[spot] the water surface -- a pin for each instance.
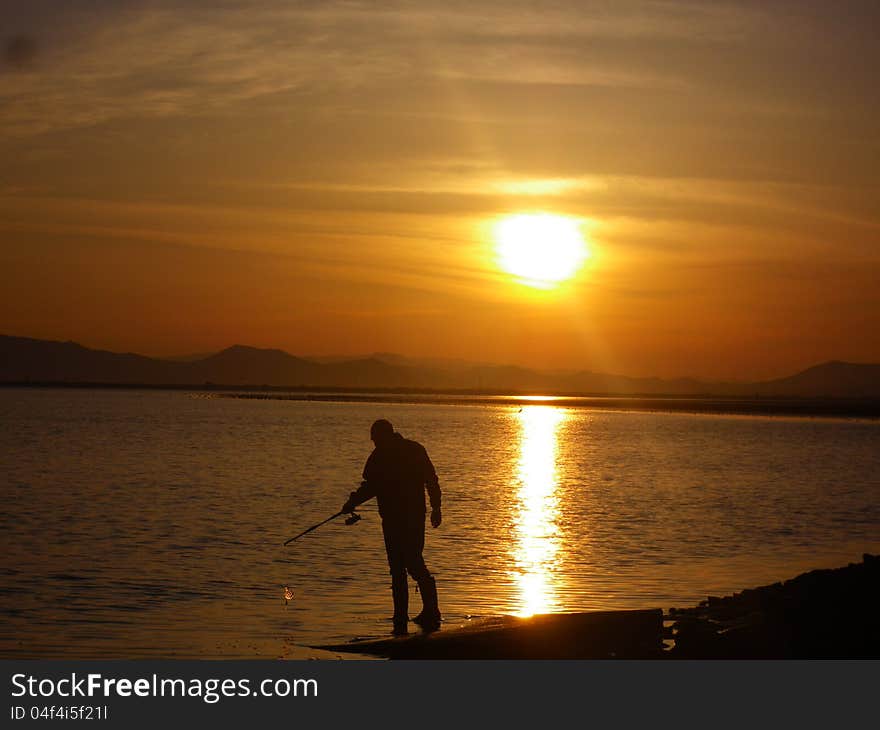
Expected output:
(149, 523)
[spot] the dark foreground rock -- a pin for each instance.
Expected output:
(823, 614)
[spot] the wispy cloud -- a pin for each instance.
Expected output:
(154, 59)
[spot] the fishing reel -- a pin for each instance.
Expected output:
(353, 518)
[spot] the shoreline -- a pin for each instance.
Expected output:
(821, 614)
(798, 407)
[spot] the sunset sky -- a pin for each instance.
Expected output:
(329, 178)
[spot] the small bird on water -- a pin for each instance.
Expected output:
(288, 594)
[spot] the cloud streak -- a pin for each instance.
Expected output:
(156, 59)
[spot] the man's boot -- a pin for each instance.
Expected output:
(400, 594)
(429, 618)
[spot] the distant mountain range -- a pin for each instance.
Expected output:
(26, 360)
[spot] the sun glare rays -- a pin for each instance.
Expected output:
(537, 539)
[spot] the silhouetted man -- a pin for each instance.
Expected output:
(397, 473)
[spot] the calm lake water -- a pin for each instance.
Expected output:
(150, 523)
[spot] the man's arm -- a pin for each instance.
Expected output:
(367, 489)
(360, 495)
(432, 485)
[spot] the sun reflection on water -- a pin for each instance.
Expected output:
(536, 531)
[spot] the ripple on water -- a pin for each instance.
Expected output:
(150, 524)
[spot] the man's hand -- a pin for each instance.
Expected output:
(348, 506)
(436, 517)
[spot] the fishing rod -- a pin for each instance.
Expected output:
(349, 521)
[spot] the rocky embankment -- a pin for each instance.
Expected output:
(823, 614)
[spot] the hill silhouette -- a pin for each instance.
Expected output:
(242, 365)
(833, 379)
(27, 360)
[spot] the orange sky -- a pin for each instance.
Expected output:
(322, 177)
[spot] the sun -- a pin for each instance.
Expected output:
(540, 249)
